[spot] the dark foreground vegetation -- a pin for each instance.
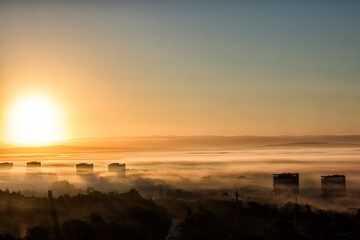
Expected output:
(251, 220)
(89, 216)
(95, 215)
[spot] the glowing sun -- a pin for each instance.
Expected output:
(34, 121)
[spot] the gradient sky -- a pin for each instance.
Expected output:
(184, 68)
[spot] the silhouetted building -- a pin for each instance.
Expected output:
(6, 166)
(84, 168)
(33, 172)
(333, 186)
(286, 183)
(33, 164)
(33, 168)
(118, 168)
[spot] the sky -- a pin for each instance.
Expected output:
(122, 68)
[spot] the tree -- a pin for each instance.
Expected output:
(37, 233)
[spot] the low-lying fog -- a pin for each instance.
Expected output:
(248, 168)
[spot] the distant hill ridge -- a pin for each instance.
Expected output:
(314, 144)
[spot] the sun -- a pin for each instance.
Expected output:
(35, 120)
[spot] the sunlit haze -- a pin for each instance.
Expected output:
(34, 120)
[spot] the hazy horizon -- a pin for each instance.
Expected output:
(238, 140)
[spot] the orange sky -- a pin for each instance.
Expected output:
(189, 70)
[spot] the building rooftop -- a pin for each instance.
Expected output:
(84, 168)
(117, 165)
(286, 183)
(333, 179)
(286, 175)
(333, 176)
(117, 168)
(333, 186)
(33, 164)
(6, 165)
(84, 165)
